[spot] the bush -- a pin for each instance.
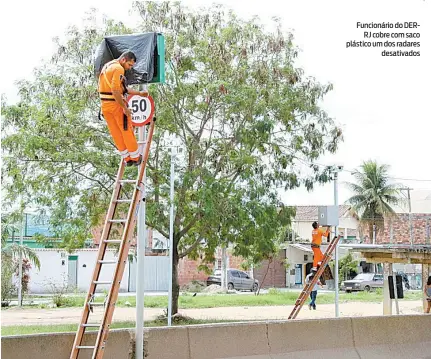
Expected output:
(26, 266)
(195, 286)
(8, 288)
(273, 291)
(58, 291)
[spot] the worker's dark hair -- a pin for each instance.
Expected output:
(128, 55)
(314, 225)
(429, 280)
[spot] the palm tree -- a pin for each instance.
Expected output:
(374, 195)
(8, 252)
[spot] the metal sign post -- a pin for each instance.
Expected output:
(142, 231)
(171, 234)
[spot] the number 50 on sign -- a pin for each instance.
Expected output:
(142, 109)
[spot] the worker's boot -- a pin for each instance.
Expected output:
(138, 162)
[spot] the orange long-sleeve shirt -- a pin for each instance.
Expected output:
(110, 80)
(317, 235)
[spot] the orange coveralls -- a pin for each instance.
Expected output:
(317, 235)
(111, 79)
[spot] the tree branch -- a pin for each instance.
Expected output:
(161, 231)
(190, 225)
(190, 249)
(90, 179)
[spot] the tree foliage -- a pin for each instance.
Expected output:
(12, 251)
(373, 194)
(348, 267)
(247, 118)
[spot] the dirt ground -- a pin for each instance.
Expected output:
(16, 316)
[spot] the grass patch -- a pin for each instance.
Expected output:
(186, 301)
(61, 328)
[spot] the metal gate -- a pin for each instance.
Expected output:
(156, 276)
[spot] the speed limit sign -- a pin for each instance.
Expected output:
(142, 109)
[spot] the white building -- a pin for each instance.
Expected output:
(306, 215)
(60, 269)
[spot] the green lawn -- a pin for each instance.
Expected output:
(275, 297)
(38, 329)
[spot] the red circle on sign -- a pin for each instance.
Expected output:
(150, 116)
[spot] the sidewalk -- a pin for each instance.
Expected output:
(16, 316)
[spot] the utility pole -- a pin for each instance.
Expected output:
(140, 247)
(21, 242)
(408, 189)
(171, 235)
(335, 170)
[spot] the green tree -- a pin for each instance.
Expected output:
(347, 265)
(14, 250)
(246, 116)
(10, 254)
(374, 195)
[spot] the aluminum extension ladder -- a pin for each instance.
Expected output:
(129, 224)
(308, 287)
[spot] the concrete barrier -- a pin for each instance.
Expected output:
(405, 336)
(59, 346)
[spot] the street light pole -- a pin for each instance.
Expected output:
(171, 234)
(140, 246)
(335, 170)
(21, 242)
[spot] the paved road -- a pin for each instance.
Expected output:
(16, 316)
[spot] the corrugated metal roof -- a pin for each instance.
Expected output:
(302, 247)
(310, 213)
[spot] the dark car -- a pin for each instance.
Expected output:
(236, 279)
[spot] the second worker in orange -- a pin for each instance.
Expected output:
(317, 234)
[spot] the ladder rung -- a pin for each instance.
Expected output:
(96, 304)
(118, 220)
(123, 201)
(93, 325)
(102, 282)
(85, 346)
(107, 261)
(127, 181)
(112, 241)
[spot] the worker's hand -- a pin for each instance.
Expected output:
(127, 112)
(143, 93)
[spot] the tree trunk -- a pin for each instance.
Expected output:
(264, 277)
(175, 285)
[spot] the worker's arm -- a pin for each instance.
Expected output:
(325, 233)
(117, 91)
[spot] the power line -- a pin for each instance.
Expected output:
(354, 171)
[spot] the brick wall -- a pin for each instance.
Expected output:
(188, 271)
(188, 268)
(276, 277)
(400, 225)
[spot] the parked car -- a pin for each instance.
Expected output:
(363, 281)
(236, 279)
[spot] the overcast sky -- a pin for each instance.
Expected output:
(382, 103)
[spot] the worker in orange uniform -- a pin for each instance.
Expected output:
(113, 91)
(317, 234)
